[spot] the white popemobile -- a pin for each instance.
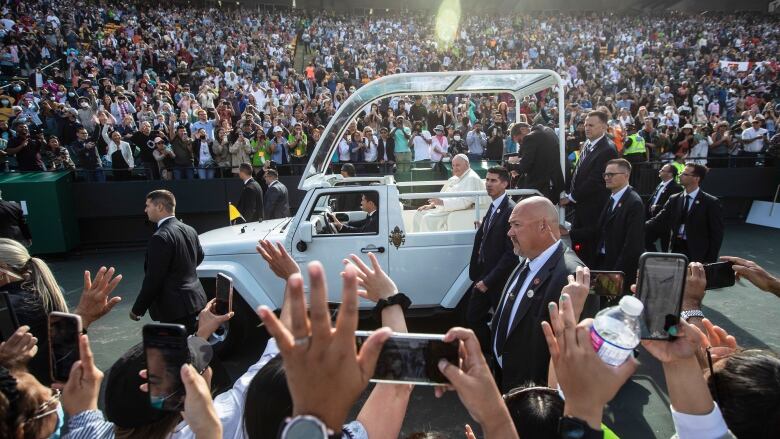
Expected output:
(430, 267)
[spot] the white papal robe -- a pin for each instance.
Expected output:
(435, 220)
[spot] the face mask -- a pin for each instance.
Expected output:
(456, 138)
(60, 423)
(5, 101)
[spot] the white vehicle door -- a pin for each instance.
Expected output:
(360, 235)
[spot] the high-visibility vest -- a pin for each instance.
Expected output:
(680, 168)
(637, 145)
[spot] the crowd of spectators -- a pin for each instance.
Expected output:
(179, 92)
(717, 389)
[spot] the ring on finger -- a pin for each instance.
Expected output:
(302, 341)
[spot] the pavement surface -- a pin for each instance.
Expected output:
(641, 409)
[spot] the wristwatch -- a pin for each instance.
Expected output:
(396, 299)
(687, 314)
(574, 428)
(307, 427)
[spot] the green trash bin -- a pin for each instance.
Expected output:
(47, 199)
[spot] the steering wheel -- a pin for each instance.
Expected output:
(328, 226)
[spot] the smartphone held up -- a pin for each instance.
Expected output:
(166, 350)
(412, 358)
(64, 332)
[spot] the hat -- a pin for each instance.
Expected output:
(759, 117)
(278, 130)
(439, 128)
(687, 125)
(125, 404)
(73, 111)
(158, 139)
(426, 135)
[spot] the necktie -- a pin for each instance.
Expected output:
(585, 151)
(656, 194)
(611, 206)
(686, 206)
(506, 311)
(488, 219)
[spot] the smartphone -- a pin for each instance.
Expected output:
(412, 358)
(224, 295)
(64, 332)
(720, 275)
(660, 287)
(165, 347)
(8, 321)
(606, 283)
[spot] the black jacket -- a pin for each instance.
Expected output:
(499, 258)
(703, 226)
(171, 289)
(12, 222)
(526, 356)
(370, 224)
(670, 189)
(276, 203)
(251, 202)
(540, 163)
(386, 146)
(622, 233)
(589, 192)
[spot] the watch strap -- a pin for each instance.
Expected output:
(688, 313)
(574, 428)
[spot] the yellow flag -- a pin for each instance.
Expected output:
(233, 213)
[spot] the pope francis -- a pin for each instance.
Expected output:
(432, 217)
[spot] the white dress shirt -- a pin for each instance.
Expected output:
(660, 190)
(496, 204)
(692, 200)
(159, 223)
(534, 265)
(711, 425)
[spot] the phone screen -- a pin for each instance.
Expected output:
(412, 358)
(166, 351)
(720, 275)
(660, 288)
(606, 283)
(8, 322)
(224, 295)
(64, 332)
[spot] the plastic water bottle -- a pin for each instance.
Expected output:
(615, 331)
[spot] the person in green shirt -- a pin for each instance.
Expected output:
(296, 142)
(261, 152)
(403, 153)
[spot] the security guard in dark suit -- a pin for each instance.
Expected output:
(251, 202)
(492, 256)
(692, 220)
(171, 290)
(665, 189)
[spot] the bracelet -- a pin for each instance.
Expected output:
(396, 299)
(687, 314)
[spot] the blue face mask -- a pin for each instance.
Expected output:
(60, 423)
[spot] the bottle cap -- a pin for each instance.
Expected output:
(631, 306)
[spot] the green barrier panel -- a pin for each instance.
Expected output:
(48, 199)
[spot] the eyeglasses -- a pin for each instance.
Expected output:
(611, 174)
(687, 175)
(45, 409)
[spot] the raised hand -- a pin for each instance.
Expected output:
(94, 302)
(279, 261)
(375, 282)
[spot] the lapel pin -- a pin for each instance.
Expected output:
(697, 201)
(536, 281)
(530, 294)
(620, 204)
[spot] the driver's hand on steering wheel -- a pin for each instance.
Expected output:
(335, 221)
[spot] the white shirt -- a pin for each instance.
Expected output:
(441, 146)
(159, 223)
(496, 203)
(711, 425)
(661, 189)
(692, 199)
(614, 198)
(756, 145)
(422, 149)
(533, 268)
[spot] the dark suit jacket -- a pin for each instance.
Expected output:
(590, 193)
(276, 204)
(540, 164)
(670, 189)
(703, 226)
(12, 223)
(171, 289)
(251, 202)
(526, 356)
(499, 258)
(623, 234)
(370, 224)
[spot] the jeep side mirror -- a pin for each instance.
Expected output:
(306, 230)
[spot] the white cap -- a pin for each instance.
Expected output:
(631, 306)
